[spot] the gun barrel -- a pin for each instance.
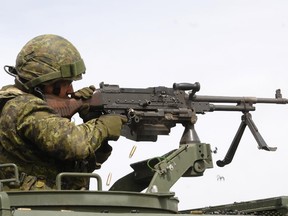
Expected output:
(273, 100)
(240, 108)
(229, 99)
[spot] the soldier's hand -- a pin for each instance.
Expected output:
(114, 124)
(84, 112)
(102, 154)
(84, 93)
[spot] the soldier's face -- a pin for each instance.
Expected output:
(66, 88)
(62, 89)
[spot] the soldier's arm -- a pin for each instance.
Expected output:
(58, 136)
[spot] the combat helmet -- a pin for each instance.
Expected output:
(46, 59)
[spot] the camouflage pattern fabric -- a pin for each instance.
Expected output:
(10, 91)
(49, 57)
(42, 143)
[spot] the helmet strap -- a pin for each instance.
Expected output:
(11, 70)
(19, 84)
(37, 91)
(69, 71)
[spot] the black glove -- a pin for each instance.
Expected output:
(102, 154)
(86, 115)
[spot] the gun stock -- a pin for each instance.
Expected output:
(66, 107)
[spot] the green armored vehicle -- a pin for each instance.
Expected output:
(146, 190)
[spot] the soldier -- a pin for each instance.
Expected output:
(33, 135)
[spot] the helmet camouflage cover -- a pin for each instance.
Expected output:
(46, 59)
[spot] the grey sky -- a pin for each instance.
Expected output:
(232, 47)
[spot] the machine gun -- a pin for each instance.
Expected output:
(154, 111)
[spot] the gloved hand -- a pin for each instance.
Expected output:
(84, 112)
(84, 93)
(102, 154)
(114, 124)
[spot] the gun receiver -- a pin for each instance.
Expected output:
(154, 111)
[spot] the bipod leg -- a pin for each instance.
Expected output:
(254, 130)
(234, 145)
(246, 120)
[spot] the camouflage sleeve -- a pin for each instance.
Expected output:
(38, 123)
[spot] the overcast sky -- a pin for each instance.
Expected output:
(232, 47)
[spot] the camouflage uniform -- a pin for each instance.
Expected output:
(42, 143)
(35, 137)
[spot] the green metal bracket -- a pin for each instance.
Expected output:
(189, 160)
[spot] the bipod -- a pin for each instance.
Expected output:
(246, 119)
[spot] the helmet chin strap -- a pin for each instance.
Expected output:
(19, 84)
(11, 70)
(38, 93)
